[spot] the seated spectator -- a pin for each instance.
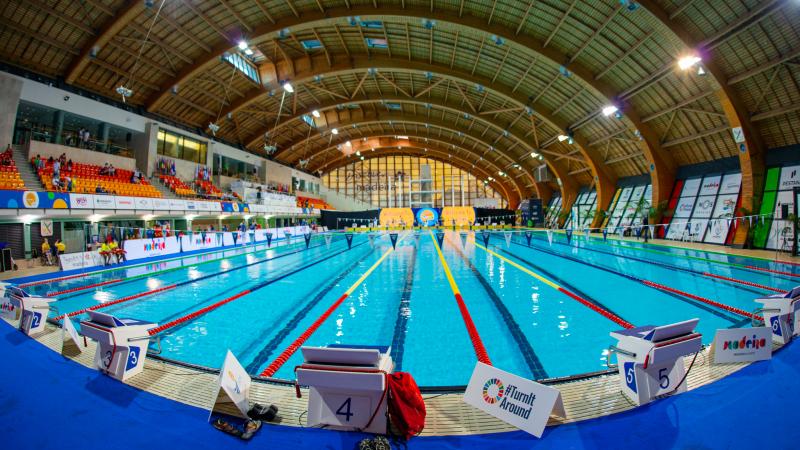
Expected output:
(69, 166)
(50, 160)
(56, 182)
(111, 170)
(69, 184)
(56, 168)
(99, 190)
(105, 252)
(104, 170)
(48, 257)
(116, 251)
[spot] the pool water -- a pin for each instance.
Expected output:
(527, 326)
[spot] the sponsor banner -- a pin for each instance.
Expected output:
(731, 183)
(33, 200)
(191, 205)
(703, 207)
(104, 202)
(427, 217)
(177, 205)
(163, 265)
(790, 178)
(143, 203)
(235, 207)
(198, 241)
(147, 248)
(125, 202)
(161, 204)
(684, 207)
(690, 187)
(517, 401)
(781, 232)
(720, 224)
(81, 201)
(742, 345)
(258, 208)
(80, 260)
(710, 185)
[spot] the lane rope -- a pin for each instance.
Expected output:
(472, 330)
(289, 351)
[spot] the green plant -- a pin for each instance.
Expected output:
(562, 217)
(657, 211)
(751, 230)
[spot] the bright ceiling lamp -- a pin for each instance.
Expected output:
(609, 110)
(335, 131)
(315, 113)
(242, 45)
(562, 137)
(288, 87)
(687, 62)
(402, 137)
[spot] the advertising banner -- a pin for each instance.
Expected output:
(80, 260)
(33, 200)
(146, 248)
(81, 201)
(104, 202)
(125, 202)
(742, 345)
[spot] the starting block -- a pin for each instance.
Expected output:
(650, 359)
(31, 310)
(121, 343)
(780, 313)
(347, 386)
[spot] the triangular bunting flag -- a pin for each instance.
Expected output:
(550, 237)
(507, 235)
(328, 238)
(440, 238)
(269, 239)
(569, 236)
(528, 236)
(485, 236)
(371, 240)
(393, 238)
(307, 237)
(463, 239)
(235, 235)
(416, 237)
(349, 238)
(288, 237)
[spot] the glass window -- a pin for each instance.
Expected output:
(177, 146)
(244, 66)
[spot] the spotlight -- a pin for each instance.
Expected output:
(315, 113)
(288, 87)
(687, 62)
(562, 138)
(609, 110)
(242, 45)
(213, 127)
(335, 131)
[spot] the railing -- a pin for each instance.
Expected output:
(69, 140)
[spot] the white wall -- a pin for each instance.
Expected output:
(77, 155)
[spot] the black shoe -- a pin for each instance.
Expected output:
(264, 413)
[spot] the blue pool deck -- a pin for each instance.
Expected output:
(48, 401)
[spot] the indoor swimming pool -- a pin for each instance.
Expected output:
(540, 309)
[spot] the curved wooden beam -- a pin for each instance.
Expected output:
(410, 119)
(752, 150)
(115, 24)
(427, 151)
(307, 68)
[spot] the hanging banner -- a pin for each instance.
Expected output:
(393, 238)
(528, 236)
(349, 238)
(328, 238)
(269, 239)
(440, 238)
(463, 239)
(485, 236)
(550, 237)
(517, 401)
(569, 236)
(307, 237)
(507, 235)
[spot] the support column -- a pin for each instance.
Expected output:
(145, 148)
(26, 239)
(10, 91)
(103, 130)
(58, 126)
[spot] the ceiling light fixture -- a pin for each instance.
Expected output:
(335, 131)
(315, 113)
(288, 87)
(687, 62)
(609, 110)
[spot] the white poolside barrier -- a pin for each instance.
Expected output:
(780, 313)
(650, 359)
(347, 386)
(121, 343)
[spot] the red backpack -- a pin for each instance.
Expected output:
(406, 407)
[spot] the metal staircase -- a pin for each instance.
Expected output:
(26, 170)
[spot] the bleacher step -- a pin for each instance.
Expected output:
(29, 177)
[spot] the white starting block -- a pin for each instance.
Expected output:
(31, 310)
(347, 386)
(121, 343)
(780, 313)
(650, 358)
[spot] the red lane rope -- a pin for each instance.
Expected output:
(117, 301)
(477, 343)
(747, 283)
(197, 313)
(81, 288)
(779, 272)
(51, 280)
(608, 314)
(732, 309)
(283, 357)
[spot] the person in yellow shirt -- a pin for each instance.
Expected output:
(48, 257)
(115, 250)
(105, 252)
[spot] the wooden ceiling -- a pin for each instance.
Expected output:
(493, 80)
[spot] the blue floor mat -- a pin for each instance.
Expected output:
(47, 402)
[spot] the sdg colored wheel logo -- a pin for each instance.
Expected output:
(493, 391)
